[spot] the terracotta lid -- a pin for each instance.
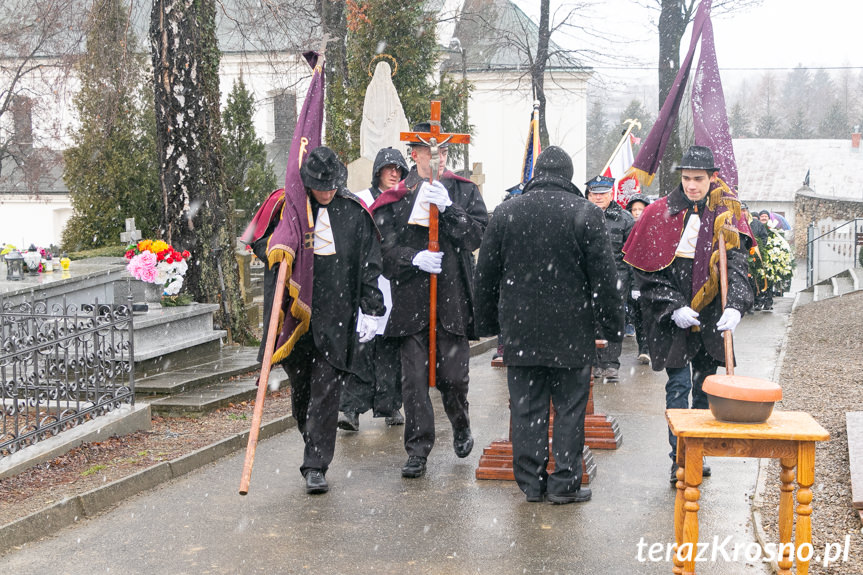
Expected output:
(742, 388)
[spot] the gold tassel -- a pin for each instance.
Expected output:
(298, 309)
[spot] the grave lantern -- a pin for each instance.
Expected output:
(14, 266)
(32, 258)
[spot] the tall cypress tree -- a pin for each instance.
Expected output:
(110, 170)
(249, 177)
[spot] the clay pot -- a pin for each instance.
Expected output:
(739, 399)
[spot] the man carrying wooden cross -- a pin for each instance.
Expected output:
(403, 217)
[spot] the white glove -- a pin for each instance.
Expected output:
(435, 193)
(367, 327)
(729, 320)
(685, 317)
(429, 262)
(635, 294)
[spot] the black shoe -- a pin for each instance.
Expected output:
(462, 442)
(414, 467)
(580, 496)
(349, 421)
(316, 483)
(536, 498)
(395, 419)
(674, 468)
(611, 375)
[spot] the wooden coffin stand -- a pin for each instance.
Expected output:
(600, 432)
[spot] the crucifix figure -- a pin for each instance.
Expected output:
(434, 138)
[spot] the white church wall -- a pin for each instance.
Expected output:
(25, 220)
(500, 109)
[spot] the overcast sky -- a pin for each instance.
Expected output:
(776, 34)
(779, 33)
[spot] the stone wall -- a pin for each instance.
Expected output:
(810, 208)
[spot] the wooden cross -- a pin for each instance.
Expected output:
(434, 138)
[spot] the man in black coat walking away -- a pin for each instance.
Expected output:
(344, 309)
(673, 249)
(619, 223)
(545, 277)
(402, 215)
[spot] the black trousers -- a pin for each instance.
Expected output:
(382, 393)
(315, 388)
(633, 313)
(530, 389)
(451, 378)
(609, 356)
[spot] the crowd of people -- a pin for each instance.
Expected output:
(605, 272)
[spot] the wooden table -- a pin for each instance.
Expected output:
(789, 436)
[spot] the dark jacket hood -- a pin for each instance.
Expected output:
(553, 168)
(385, 157)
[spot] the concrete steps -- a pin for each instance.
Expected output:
(849, 281)
(196, 402)
(168, 338)
(211, 368)
(226, 376)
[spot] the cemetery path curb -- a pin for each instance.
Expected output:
(761, 480)
(71, 510)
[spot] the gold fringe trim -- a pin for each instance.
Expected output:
(280, 253)
(710, 288)
(298, 309)
(644, 178)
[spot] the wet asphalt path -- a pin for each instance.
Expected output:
(374, 521)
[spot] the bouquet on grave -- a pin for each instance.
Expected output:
(155, 261)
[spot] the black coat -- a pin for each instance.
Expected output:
(343, 282)
(759, 230)
(460, 233)
(619, 223)
(670, 288)
(546, 279)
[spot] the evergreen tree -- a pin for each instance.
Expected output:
(249, 177)
(767, 126)
(855, 102)
(798, 126)
(796, 90)
(834, 123)
(404, 31)
(110, 170)
(820, 100)
(738, 121)
(597, 137)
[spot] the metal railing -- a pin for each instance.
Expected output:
(61, 367)
(832, 251)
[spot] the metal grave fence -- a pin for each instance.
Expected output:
(60, 367)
